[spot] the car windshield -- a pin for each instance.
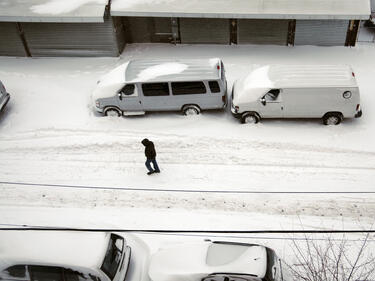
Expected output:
(113, 256)
(272, 273)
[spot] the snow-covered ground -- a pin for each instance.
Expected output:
(49, 134)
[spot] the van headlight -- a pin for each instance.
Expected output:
(97, 103)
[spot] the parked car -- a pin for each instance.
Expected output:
(329, 92)
(217, 261)
(63, 256)
(139, 86)
(4, 96)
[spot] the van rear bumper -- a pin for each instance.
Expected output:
(358, 114)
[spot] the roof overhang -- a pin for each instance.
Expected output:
(245, 9)
(52, 10)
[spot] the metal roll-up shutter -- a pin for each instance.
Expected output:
(204, 31)
(71, 39)
(262, 31)
(372, 6)
(10, 40)
(321, 32)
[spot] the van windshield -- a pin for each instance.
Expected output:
(113, 256)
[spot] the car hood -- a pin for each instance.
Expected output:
(192, 262)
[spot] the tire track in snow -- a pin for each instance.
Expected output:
(89, 146)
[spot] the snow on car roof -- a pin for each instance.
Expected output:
(195, 261)
(173, 70)
(81, 249)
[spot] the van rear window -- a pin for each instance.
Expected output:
(155, 89)
(188, 88)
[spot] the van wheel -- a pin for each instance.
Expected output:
(250, 118)
(112, 112)
(191, 110)
(332, 118)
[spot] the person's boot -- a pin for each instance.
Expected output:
(150, 173)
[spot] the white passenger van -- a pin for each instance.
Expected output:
(329, 92)
(139, 86)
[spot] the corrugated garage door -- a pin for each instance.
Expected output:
(10, 41)
(204, 31)
(262, 31)
(71, 39)
(145, 30)
(321, 32)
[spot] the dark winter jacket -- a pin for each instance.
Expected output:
(149, 149)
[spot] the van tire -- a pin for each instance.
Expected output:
(250, 118)
(111, 111)
(190, 110)
(332, 118)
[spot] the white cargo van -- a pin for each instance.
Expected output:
(329, 92)
(139, 86)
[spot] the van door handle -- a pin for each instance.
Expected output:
(282, 108)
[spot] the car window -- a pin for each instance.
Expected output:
(272, 95)
(73, 275)
(214, 86)
(155, 89)
(15, 272)
(45, 273)
(231, 277)
(113, 256)
(128, 90)
(188, 88)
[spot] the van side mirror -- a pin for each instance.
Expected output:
(120, 96)
(263, 101)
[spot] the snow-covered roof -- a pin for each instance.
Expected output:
(52, 10)
(77, 249)
(266, 9)
(264, 78)
(173, 70)
(189, 262)
(292, 76)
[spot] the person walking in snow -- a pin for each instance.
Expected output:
(150, 154)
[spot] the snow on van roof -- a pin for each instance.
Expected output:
(292, 76)
(264, 78)
(173, 70)
(76, 249)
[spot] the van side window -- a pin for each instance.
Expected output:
(155, 89)
(214, 86)
(272, 95)
(188, 88)
(127, 90)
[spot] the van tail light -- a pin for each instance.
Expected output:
(218, 67)
(353, 74)
(224, 98)
(358, 107)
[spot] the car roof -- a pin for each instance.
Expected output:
(173, 70)
(58, 248)
(198, 260)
